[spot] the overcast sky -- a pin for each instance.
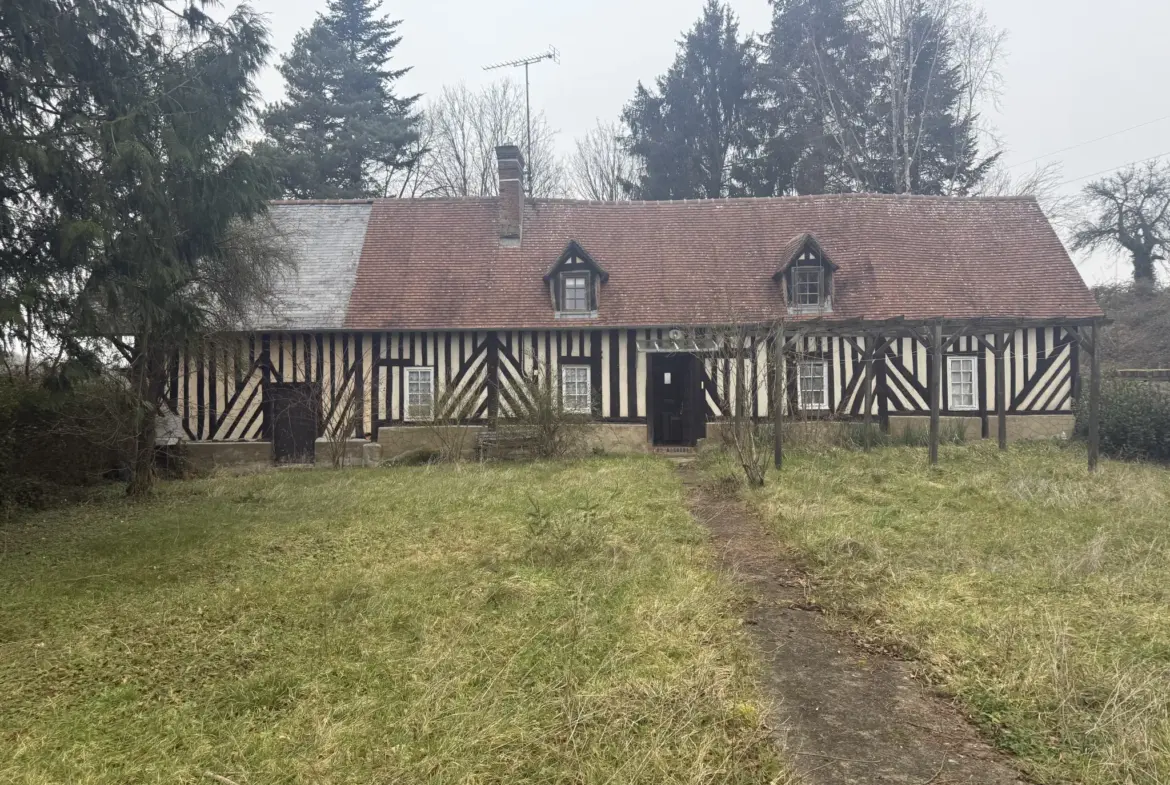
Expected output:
(1075, 70)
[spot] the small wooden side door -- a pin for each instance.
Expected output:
(293, 409)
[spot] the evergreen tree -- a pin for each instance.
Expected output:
(867, 97)
(816, 86)
(687, 133)
(343, 132)
(130, 209)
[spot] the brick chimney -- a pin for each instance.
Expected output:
(511, 164)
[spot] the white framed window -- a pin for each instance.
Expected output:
(420, 393)
(576, 394)
(806, 285)
(575, 292)
(811, 389)
(963, 383)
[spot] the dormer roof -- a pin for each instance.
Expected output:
(795, 248)
(578, 258)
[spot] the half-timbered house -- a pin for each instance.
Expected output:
(395, 301)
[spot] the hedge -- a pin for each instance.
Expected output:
(1135, 419)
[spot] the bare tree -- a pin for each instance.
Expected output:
(601, 167)
(1042, 182)
(466, 127)
(926, 44)
(1131, 214)
(453, 413)
(409, 180)
(737, 352)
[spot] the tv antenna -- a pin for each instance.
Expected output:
(552, 54)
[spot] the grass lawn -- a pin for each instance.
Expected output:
(543, 623)
(1036, 593)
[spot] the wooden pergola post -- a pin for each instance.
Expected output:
(779, 391)
(1094, 398)
(936, 350)
(867, 416)
(1001, 388)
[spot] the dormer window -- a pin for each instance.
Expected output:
(575, 281)
(807, 284)
(806, 276)
(575, 292)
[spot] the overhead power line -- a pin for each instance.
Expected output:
(1091, 141)
(1114, 168)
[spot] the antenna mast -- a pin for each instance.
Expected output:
(552, 54)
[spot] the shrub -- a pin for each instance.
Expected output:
(1135, 420)
(539, 419)
(52, 438)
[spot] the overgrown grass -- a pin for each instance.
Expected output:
(540, 623)
(1034, 592)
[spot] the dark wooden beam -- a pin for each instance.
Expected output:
(779, 391)
(936, 350)
(867, 415)
(1094, 400)
(1001, 388)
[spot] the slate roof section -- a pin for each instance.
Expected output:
(438, 264)
(326, 239)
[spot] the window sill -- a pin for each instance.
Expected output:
(574, 315)
(806, 310)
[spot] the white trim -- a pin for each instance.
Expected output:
(430, 375)
(952, 361)
(588, 409)
(824, 405)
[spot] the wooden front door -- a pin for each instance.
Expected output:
(675, 415)
(293, 409)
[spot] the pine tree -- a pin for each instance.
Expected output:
(130, 209)
(920, 139)
(817, 81)
(867, 97)
(687, 133)
(343, 131)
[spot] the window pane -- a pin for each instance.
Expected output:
(575, 392)
(807, 286)
(419, 393)
(575, 293)
(811, 384)
(963, 384)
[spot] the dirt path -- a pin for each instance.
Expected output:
(847, 715)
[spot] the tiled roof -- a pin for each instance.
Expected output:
(435, 264)
(326, 240)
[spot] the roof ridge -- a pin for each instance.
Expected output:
(859, 195)
(275, 202)
(852, 196)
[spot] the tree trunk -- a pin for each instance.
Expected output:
(148, 381)
(1143, 270)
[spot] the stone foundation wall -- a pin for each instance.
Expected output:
(205, 456)
(350, 455)
(398, 440)
(618, 438)
(1020, 427)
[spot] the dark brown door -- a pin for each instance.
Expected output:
(673, 400)
(292, 409)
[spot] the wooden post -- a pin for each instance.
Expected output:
(867, 415)
(1001, 388)
(779, 392)
(936, 344)
(1094, 398)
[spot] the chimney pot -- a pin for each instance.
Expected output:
(511, 168)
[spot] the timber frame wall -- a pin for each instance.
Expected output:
(216, 391)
